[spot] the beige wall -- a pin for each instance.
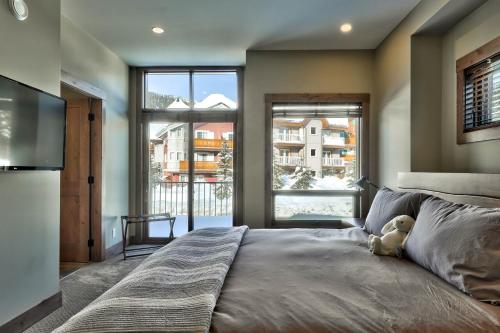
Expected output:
(84, 58)
(290, 72)
(478, 28)
(391, 114)
(29, 201)
(425, 103)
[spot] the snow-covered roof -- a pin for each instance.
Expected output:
(178, 104)
(344, 122)
(295, 120)
(216, 101)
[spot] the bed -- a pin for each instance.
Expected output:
(305, 280)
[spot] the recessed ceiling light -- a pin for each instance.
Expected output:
(158, 30)
(345, 27)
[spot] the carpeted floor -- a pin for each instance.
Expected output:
(66, 268)
(83, 286)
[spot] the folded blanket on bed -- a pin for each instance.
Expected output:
(174, 290)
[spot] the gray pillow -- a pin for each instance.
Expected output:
(388, 204)
(460, 244)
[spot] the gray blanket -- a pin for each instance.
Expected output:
(174, 290)
(326, 281)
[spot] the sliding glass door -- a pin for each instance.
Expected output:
(189, 123)
(168, 176)
(213, 175)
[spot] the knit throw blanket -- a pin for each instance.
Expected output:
(174, 290)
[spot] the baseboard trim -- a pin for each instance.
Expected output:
(113, 250)
(33, 315)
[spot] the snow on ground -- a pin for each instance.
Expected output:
(325, 183)
(173, 198)
(212, 212)
(332, 183)
(317, 207)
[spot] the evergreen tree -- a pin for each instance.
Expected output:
(156, 172)
(225, 172)
(350, 173)
(303, 178)
(160, 101)
(278, 173)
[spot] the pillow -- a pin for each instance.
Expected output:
(388, 204)
(460, 244)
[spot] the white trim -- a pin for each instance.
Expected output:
(82, 86)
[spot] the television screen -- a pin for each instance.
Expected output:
(32, 128)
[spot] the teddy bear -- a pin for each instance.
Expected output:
(394, 235)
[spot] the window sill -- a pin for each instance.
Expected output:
(312, 224)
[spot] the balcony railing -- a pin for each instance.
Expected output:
(208, 198)
(290, 160)
(333, 162)
(215, 144)
(288, 138)
(333, 141)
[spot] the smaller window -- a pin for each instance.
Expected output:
(215, 90)
(313, 173)
(203, 134)
(481, 101)
(313, 152)
(228, 135)
(172, 156)
(179, 156)
(313, 130)
(478, 84)
(167, 91)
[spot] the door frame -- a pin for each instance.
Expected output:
(97, 107)
(144, 116)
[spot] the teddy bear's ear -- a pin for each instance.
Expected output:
(389, 226)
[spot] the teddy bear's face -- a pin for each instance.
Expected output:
(404, 223)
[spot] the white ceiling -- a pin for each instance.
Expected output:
(218, 32)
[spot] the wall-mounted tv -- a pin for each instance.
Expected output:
(32, 128)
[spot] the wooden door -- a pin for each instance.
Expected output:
(74, 184)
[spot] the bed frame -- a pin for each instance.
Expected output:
(465, 188)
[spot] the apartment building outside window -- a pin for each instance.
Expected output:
(316, 152)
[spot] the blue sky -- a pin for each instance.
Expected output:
(204, 84)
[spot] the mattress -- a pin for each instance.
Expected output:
(326, 280)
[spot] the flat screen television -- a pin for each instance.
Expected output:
(32, 128)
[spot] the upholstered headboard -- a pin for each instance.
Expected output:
(465, 188)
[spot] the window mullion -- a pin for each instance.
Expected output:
(191, 90)
(190, 176)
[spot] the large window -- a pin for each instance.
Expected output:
(190, 163)
(315, 155)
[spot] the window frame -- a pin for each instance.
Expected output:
(483, 133)
(360, 198)
(145, 116)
